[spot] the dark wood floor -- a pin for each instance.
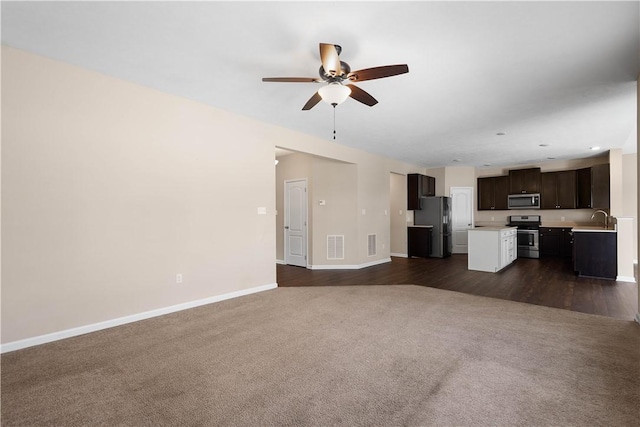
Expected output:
(549, 282)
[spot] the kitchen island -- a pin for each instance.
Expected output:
(492, 248)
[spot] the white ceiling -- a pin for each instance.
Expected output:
(556, 73)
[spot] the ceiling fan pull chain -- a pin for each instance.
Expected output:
(334, 121)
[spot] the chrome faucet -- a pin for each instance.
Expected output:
(606, 217)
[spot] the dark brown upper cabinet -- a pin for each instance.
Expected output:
(418, 186)
(493, 192)
(592, 187)
(558, 190)
(524, 181)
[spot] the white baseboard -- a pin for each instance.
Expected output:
(349, 267)
(625, 279)
(280, 261)
(81, 330)
(400, 255)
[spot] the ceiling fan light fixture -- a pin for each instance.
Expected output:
(334, 93)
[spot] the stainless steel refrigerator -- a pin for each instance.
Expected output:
(436, 211)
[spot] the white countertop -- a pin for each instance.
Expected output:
(592, 229)
(421, 226)
(497, 228)
(559, 224)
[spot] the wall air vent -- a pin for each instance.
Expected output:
(335, 247)
(372, 247)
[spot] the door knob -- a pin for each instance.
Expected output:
(286, 227)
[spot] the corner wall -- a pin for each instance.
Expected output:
(372, 196)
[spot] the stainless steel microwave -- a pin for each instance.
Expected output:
(524, 201)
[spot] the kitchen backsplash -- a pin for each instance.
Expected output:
(567, 216)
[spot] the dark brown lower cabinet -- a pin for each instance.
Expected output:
(556, 242)
(595, 254)
(419, 242)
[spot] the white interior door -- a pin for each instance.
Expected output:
(461, 218)
(295, 222)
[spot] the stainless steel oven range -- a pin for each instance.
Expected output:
(528, 234)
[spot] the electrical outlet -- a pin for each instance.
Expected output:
(179, 278)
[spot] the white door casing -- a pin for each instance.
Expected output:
(295, 222)
(461, 218)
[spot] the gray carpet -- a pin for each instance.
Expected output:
(360, 355)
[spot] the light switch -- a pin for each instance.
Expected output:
(262, 211)
(322, 202)
(364, 211)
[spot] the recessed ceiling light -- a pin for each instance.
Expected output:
(456, 160)
(487, 164)
(544, 145)
(594, 148)
(551, 158)
(500, 133)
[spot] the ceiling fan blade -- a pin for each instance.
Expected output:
(312, 101)
(377, 72)
(362, 96)
(291, 79)
(330, 59)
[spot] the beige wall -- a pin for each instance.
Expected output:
(459, 176)
(439, 175)
(629, 185)
(630, 191)
(616, 186)
(335, 183)
(638, 184)
(110, 189)
(373, 208)
(398, 214)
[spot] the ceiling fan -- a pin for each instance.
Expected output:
(335, 72)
